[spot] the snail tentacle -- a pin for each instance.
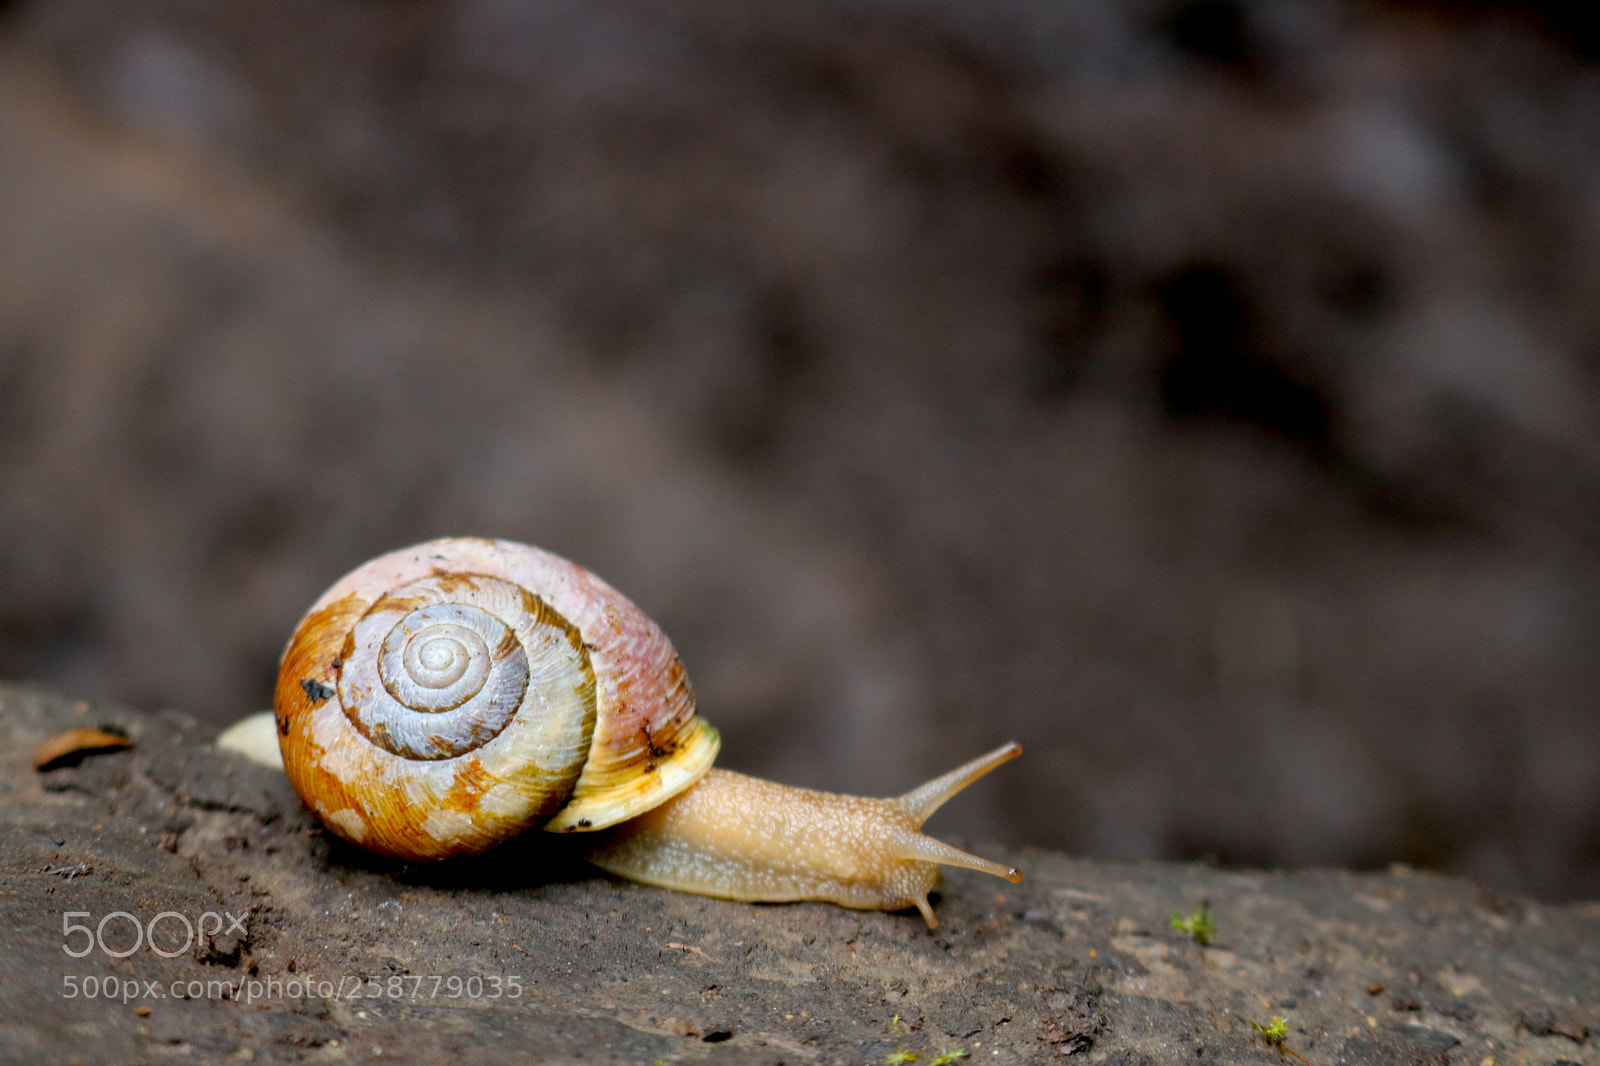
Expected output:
(922, 801)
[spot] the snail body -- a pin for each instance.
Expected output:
(440, 699)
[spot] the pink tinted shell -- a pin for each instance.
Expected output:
(597, 724)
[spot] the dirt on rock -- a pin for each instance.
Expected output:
(171, 901)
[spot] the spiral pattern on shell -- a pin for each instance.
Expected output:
(438, 680)
(442, 698)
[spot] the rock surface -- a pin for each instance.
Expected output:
(336, 956)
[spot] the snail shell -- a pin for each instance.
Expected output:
(442, 698)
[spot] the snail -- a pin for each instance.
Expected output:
(440, 699)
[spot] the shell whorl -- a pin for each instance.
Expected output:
(439, 667)
(440, 699)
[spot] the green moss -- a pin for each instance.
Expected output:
(1274, 1032)
(1199, 925)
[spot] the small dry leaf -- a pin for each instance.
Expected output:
(75, 745)
(688, 947)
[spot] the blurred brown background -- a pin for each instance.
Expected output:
(1205, 394)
